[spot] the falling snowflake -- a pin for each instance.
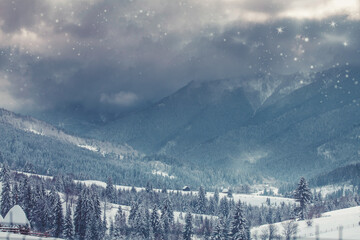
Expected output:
(280, 30)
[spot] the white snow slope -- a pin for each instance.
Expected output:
(329, 225)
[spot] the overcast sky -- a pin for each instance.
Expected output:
(116, 55)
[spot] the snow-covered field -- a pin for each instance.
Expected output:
(328, 189)
(329, 225)
(251, 199)
(255, 200)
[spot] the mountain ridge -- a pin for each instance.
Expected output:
(223, 125)
(302, 124)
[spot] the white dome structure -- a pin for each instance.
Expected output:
(15, 216)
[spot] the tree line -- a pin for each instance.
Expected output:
(66, 208)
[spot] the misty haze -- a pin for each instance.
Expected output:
(166, 120)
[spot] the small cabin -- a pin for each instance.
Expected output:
(15, 217)
(225, 190)
(15, 221)
(186, 189)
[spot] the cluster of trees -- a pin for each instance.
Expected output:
(43, 206)
(85, 216)
(349, 174)
(199, 203)
(150, 213)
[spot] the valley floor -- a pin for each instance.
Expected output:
(250, 199)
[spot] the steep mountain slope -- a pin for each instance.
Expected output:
(277, 125)
(307, 131)
(200, 109)
(35, 126)
(28, 144)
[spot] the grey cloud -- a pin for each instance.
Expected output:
(121, 98)
(115, 55)
(17, 14)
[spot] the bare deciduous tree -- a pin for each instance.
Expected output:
(273, 232)
(290, 229)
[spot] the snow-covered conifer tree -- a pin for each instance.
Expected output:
(6, 196)
(220, 231)
(303, 196)
(201, 201)
(239, 229)
(188, 228)
(96, 221)
(155, 224)
(59, 217)
(224, 207)
(110, 190)
(119, 224)
(133, 211)
(68, 225)
(167, 217)
(83, 215)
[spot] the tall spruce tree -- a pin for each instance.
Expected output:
(97, 228)
(132, 215)
(83, 215)
(51, 202)
(110, 190)
(220, 231)
(224, 209)
(16, 194)
(104, 225)
(201, 201)
(119, 224)
(68, 225)
(216, 196)
(155, 224)
(142, 222)
(111, 230)
(239, 229)
(41, 211)
(59, 218)
(29, 203)
(166, 218)
(303, 196)
(6, 196)
(188, 228)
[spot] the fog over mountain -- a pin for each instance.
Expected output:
(188, 119)
(268, 88)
